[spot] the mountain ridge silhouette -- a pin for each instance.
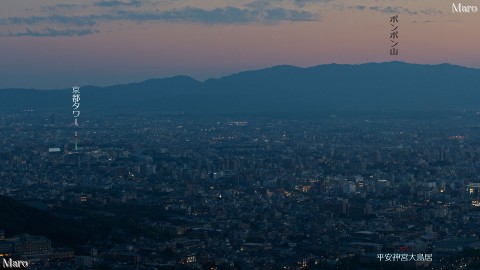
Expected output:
(331, 87)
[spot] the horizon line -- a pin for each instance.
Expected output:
(232, 74)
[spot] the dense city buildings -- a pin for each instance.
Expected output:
(174, 191)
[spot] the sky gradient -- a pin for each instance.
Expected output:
(57, 43)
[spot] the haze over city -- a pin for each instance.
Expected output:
(239, 134)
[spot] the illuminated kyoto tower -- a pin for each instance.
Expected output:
(76, 141)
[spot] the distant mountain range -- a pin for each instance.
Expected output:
(333, 87)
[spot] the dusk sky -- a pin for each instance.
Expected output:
(57, 44)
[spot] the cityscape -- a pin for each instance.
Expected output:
(387, 190)
(239, 135)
